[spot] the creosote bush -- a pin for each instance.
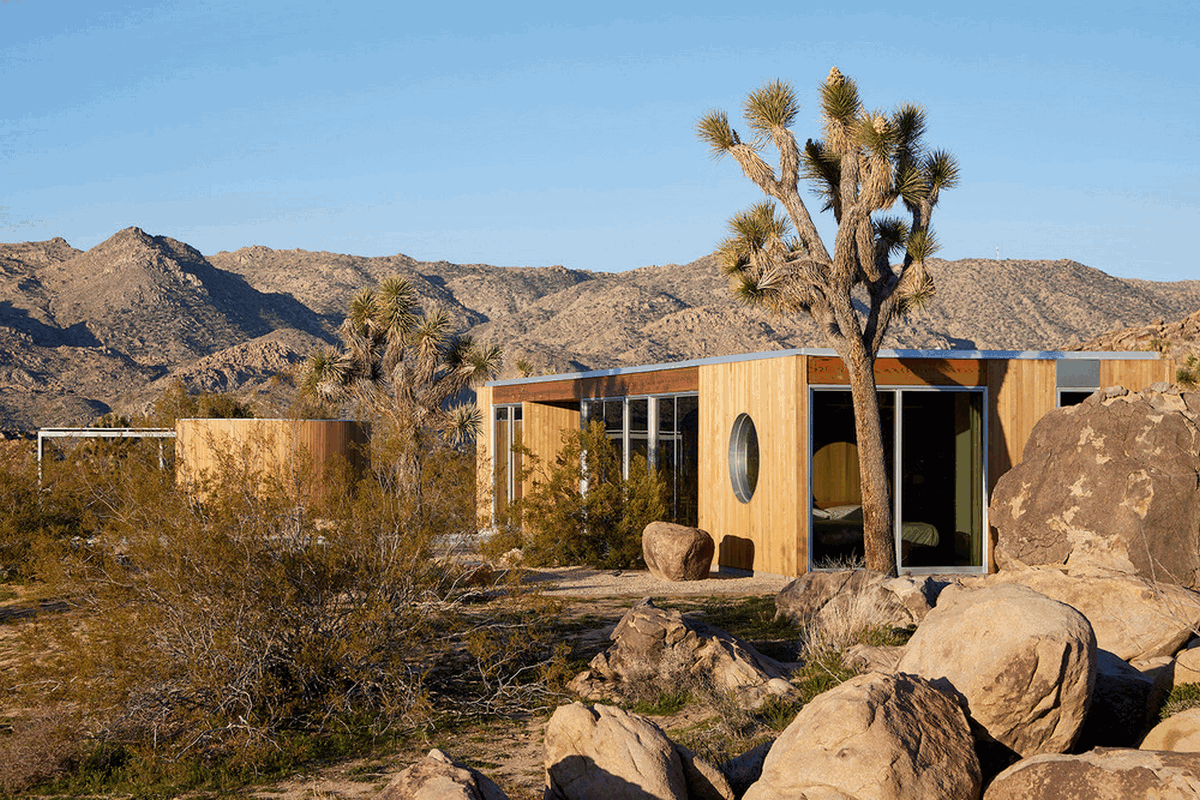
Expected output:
(581, 510)
(1188, 375)
(223, 628)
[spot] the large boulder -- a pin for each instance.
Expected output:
(660, 644)
(1113, 480)
(874, 736)
(436, 777)
(1179, 733)
(1101, 774)
(820, 596)
(1124, 705)
(606, 752)
(1023, 664)
(1132, 618)
(677, 552)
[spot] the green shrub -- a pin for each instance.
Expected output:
(1181, 698)
(1188, 376)
(581, 510)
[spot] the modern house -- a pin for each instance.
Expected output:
(759, 450)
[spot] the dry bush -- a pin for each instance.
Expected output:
(848, 620)
(37, 749)
(218, 626)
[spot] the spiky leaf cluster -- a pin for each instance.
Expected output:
(866, 163)
(393, 354)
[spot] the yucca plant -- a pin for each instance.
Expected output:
(867, 163)
(402, 368)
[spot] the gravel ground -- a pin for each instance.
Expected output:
(584, 582)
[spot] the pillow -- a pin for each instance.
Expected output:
(844, 512)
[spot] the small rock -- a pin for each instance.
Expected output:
(677, 552)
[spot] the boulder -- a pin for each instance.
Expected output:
(1112, 481)
(873, 658)
(874, 736)
(1178, 733)
(1132, 618)
(704, 780)
(1024, 665)
(743, 770)
(1187, 666)
(436, 777)
(677, 552)
(1123, 705)
(819, 596)
(606, 752)
(1101, 774)
(659, 644)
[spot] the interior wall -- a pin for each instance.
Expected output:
(769, 533)
(543, 429)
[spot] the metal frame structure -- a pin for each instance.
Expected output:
(102, 433)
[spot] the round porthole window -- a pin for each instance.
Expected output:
(743, 457)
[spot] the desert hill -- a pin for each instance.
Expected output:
(82, 333)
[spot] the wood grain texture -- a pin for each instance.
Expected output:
(290, 454)
(767, 533)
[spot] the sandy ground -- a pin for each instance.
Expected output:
(511, 755)
(584, 582)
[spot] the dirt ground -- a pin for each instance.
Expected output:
(510, 753)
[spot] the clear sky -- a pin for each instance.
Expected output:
(562, 133)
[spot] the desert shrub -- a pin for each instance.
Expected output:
(221, 629)
(581, 510)
(176, 402)
(1181, 698)
(37, 749)
(29, 518)
(1188, 375)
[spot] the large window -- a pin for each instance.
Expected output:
(663, 429)
(933, 449)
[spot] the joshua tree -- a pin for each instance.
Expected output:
(403, 368)
(867, 161)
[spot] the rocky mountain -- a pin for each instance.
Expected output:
(83, 333)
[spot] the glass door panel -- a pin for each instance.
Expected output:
(940, 501)
(837, 521)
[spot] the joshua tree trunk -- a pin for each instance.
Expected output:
(879, 546)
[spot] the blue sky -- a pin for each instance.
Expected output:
(536, 134)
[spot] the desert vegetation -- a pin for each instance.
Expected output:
(580, 509)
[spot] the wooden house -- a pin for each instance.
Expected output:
(759, 449)
(288, 454)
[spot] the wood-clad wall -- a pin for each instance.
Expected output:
(290, 451)
(543, 431)
(770, 533)
(483, 458)
(1020, 392)
(1136, 375)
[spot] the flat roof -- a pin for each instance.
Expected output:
(1007, 355)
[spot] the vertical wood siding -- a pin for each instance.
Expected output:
(292, 452)
(543, 430)
(483, 458)
(766, 534)
(1136, 375)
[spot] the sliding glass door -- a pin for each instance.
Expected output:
(933, 447)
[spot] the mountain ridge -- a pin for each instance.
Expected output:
(86, 332)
